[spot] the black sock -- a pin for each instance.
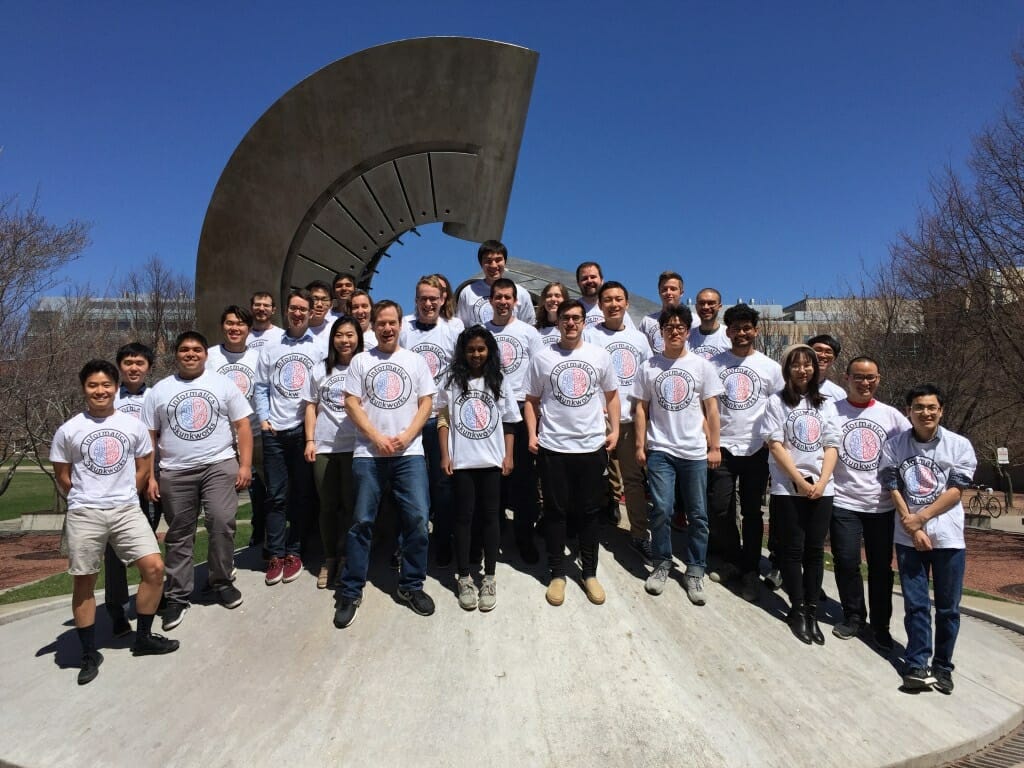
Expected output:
(144, 626)
(87, 637)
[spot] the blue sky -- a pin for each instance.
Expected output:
(769, 149)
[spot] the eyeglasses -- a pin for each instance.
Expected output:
(869, 379)
(673, 328)
(321, 300)
(573, 319)
(296, 309)
(826, 352)
(926, 408)
(428, 299)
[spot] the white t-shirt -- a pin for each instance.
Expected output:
(369, 340)
(194, 418)
(922, 472)
(102, 453)
(257, 339)
(129, 403)
(474, 305)
(675, 391)
(389, 388)
(628, 349)
(282, 370)
(549, 335)
(595, 315)
(831, 390)
(517, 343)
(708, 345)
(322, 336)
(748, 383)
(569, 385)
(240, 367)
(476, 438)
(804, 431)
(650, 328)
(334, 432)
(435, 344)
(864, 432)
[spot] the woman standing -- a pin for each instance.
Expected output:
(447, 311)
(799, 426)
(330, 441)
(474, 428)
(547, 312)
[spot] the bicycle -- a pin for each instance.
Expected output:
(985, 499)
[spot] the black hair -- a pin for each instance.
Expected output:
(610, 285)
(862, 359)
(241, 313)
(741, 313)
(583, 264)
(332, 353)
(385, 304)
(824, 338)
(459, 374)
(680, 312)
(923, 390)
(256, 295)
(667, 275)
(298, 293)
(343, 276)
(312, 284)
(98, 366)
(789, 395)
(191, 336)
(135, 349)
(504, 282)
(491, 246)
(568, 304)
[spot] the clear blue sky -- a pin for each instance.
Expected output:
(768, 149)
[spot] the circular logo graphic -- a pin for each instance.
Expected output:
(674, 389)
(435, 358)
(707, 351)
(388, 386)
(255, 343)
(476, 416)
(625, 360)
(292, 371)
(193, 414)
(862, 445)
(131, 407)
(742, 388)
(511, 350)
(803, 426)
(332, 393)
(105, 452)
(483, 311)
(573, 383)
(923, 480)
(242, 376)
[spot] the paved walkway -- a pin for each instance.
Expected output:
(639, 681)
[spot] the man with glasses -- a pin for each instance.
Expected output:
(565, 422)
(863, 511)
(708, 337)
(319, 326)
(826, 349)
(925, 470)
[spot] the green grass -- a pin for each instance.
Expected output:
(60, 584)
(28, 492)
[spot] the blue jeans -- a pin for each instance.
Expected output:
(408, 477)
(947, 572)
(442, 510)
(289, 481)
(668, 475)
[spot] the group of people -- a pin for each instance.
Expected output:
(478, 403)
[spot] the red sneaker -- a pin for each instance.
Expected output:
(275, 570)
(292, 568)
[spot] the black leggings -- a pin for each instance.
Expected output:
(804, 523)
(477, 499)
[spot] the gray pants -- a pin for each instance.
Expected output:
(183, 492)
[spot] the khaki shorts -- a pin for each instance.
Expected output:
(89, 530)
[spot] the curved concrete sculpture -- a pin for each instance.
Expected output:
(387, 139)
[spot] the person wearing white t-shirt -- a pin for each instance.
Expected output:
(925, 470)
(478, 415)
(546, 323)
(102, 460)
(799, 426)
(708, 336)
(190, 416)
(433, 338)
(827, 348)
(565, 421)
(447, 311)
(863, 512)
(628, 349)
(319, 309)
(283, 368)
(342, 287)
(670, 290)
(749, 378)
(676, 396)
(473, 304)
(589, 279)
(263, 329)
(361, 305)
(517, 343)
(389, 394)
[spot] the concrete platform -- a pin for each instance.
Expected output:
(640, 681)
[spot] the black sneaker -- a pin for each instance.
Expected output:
(846, 630)
(122, 626)
(642, 546)
(346, 613)
(418, 600)
(884, 640)
(90, 667)
(153, 645)
(918, 679)
(943, 680)
(229, 596)
(174, 613)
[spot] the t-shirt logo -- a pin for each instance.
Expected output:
(105, 452)
(332, 393)
(573, 383)
(862, 444)
(292, 371)
(511, 350)
(706, 351)
(923, 480)
(477, 418)
(674, 389)
(483, 310)
(804, 428)
(241, 376)
(388, 386)
(435, 358)
(625, 360)
(131, 407)
(193, 414)
(742, 388)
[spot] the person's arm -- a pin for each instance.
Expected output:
(712, 430)
(309, 429)
(611, 398)
(507, 462)
(243, 433)
(442, 440)
(921, 540)
(828, 465)
(154, 486)
(946, 501)
(640, 431)
(62, 472)
(261, 398)
(143, 470)
(786, 463)
(402, 440)
(354, 408)
(530, 413)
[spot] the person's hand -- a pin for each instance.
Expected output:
(383, 444)
(534, 445)
(506, 466)
(153, 491)
(641, 457)
(714, 458)
(310, 452)
(804, 488)
(446, 466)
(243, 478)
(817, 490)
(912, 524)
(922, 542)
(266, 426)
(611, 440)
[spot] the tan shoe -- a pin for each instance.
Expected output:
(594, 590)
(556, 592)
(321, 578)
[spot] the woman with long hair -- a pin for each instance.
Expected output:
(800, 427)
(476, 435)
(360, 306)
(547, 311)
(447, 311)
(330, 441)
